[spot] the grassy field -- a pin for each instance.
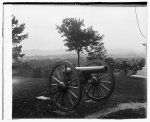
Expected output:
(127, 114)
(25, 104)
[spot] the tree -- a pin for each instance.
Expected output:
(97, 52)
(110, 61)
(17, 37)
(77, 37)
(125, 65)
(141, 63)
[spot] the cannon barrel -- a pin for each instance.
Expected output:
(92, 69)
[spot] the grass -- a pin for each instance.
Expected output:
(127, 114)
(25, 104)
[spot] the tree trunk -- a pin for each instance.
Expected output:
(78, 52)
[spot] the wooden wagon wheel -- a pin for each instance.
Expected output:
(65, 87)
(101, 84)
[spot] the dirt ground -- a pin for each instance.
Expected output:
(26, 104)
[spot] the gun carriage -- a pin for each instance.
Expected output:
(68, 82)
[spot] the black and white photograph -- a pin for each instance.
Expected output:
(78, 60)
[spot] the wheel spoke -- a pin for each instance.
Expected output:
(105, 82)
(73, 87)
(71, 81)
(58, 75)
(103, 92)
(70, 99)
(65, 74)
(97, 91)
(93, 90)
(89, 89)
(54, 90)
(56, 80)
(54, 84)
(105, 87)
(73, 94)
(58, 97)
(104, 76)
(100, 74)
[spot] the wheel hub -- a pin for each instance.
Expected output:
(94, 80)
(63, 86)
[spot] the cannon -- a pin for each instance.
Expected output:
(67, 83)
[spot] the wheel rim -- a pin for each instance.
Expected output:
(65, 86)
(101, 85)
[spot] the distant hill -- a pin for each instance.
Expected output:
(60, 56)
(45, 52)
(61, 53)
(125, 53)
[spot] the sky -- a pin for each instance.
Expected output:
(118, 24)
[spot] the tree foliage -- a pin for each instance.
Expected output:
(17, 37)
(97, 52)
(77, 37)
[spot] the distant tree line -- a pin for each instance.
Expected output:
(41, 68)
(126, 65)
(36, 69)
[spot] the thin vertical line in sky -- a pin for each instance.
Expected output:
(138, 24)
